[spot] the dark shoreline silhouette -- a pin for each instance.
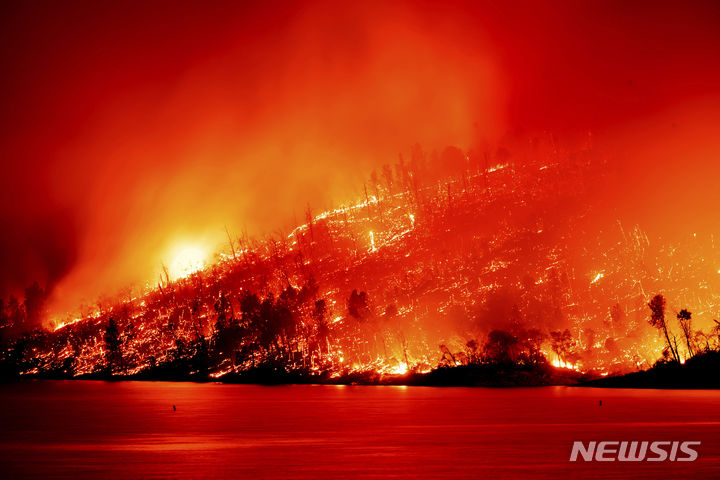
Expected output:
(700, 371)
(484, 375)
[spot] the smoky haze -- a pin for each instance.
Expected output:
(131, 130)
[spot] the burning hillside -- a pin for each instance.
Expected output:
(494, 260)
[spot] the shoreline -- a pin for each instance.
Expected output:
(494, 376)
(586, 385)
(698, 373)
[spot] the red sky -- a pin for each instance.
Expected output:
(130, 129)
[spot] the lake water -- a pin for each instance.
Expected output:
(129, 430)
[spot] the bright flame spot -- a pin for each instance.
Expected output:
(187, 260)
(65, 324)
(372, 242)
(597, 277)
(401, 369)
(561, 364)
(496, 168)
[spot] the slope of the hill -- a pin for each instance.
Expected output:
(497, 262)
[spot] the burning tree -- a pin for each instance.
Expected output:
(113, 346)
(358, 305)
(501, 347)
(685, 320)
(563, 345)
(657, 320)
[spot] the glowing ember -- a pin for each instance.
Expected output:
(407, 280)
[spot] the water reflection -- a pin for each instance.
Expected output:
(129, 429)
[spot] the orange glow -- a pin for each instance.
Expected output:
(561, 364)
(187, 259)
(465, 166)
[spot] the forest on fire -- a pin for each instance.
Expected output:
(488, 262)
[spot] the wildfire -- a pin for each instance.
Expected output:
(419, 262)
(186, 260)
(562, 364)
(401, 369)
(61, 325)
